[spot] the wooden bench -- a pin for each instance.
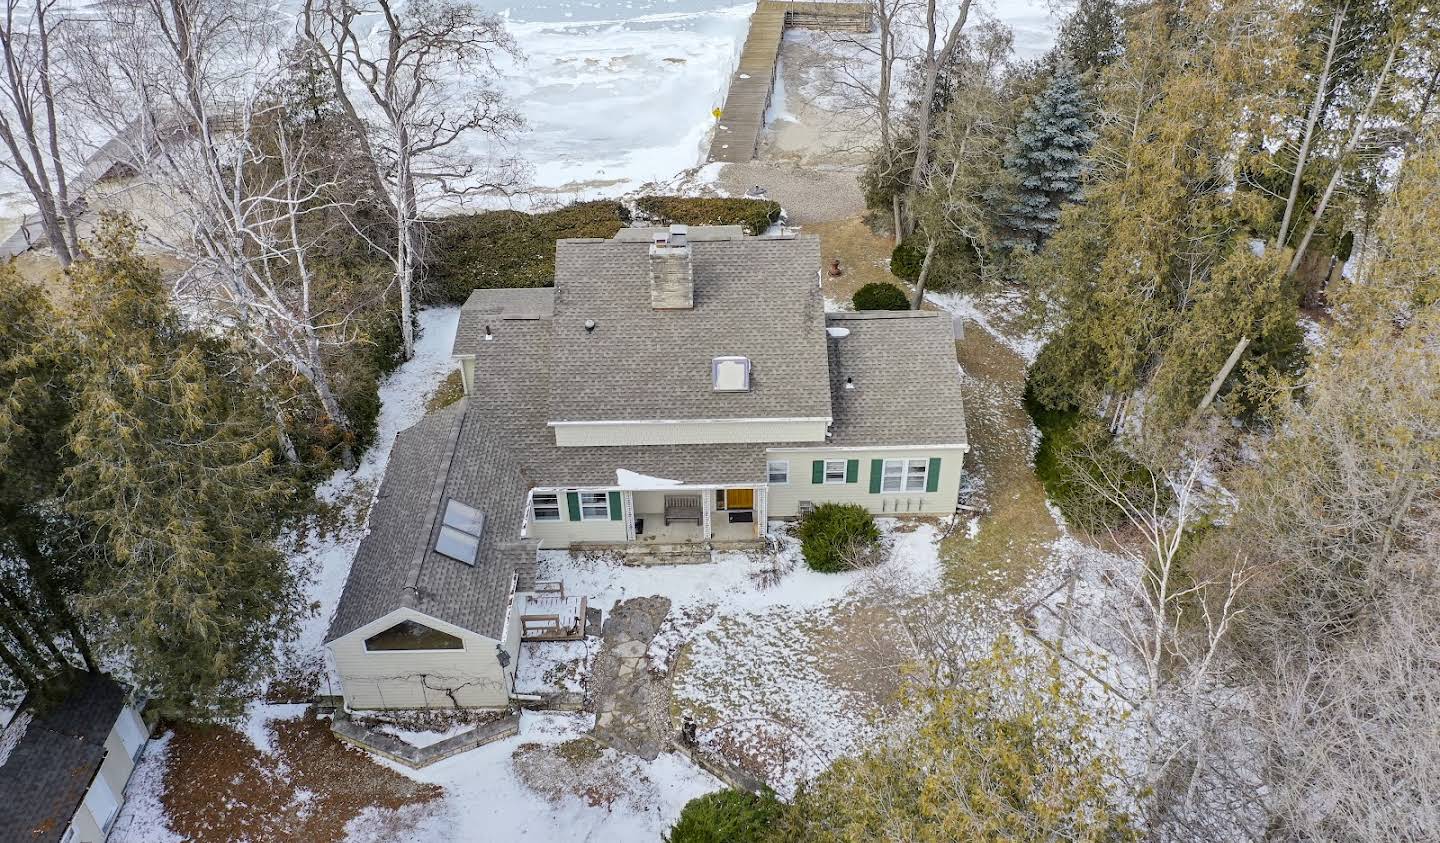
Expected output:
(683, 508)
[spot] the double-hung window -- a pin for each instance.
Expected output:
(594, 506)
(778, 472)
(834, 471)
(545, 506)
(904, 475)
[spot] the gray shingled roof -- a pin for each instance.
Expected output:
(907, 383)
(488, 450)
(754, 297)
(447, 455)
(54, 754)
(491, 307)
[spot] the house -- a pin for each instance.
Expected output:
(64, 765)
(676, 390)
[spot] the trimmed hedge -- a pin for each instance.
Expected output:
(726, 816)
(832, 535)
(880, 296)
(508, 248)
(755, 215)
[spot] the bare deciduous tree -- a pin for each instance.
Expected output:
(428, 82)
(29, 118)
(940, 46)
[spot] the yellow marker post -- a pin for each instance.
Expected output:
(716, 113)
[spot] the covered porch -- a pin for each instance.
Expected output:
(696, 514)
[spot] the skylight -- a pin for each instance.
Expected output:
(460, 531)
(730, 374)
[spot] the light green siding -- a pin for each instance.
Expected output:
(863, 474)
(418, 679)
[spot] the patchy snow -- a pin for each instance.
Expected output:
(626, 479)
(13, 734)
(424, 737)
(142, 817)
(258, 716)
(324, 557)
(550, 667)
(988, 316)
(486, 798)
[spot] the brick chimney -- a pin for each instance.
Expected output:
(672, 279)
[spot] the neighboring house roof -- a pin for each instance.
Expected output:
(448, 455)
(906, 383)
(753, 297)
(49, 756)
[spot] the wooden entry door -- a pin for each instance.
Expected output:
(739, 498)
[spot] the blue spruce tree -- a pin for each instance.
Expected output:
(1047, 158)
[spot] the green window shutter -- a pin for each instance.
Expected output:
(615, 513)
(852, 471)
(877, 469)
(572, 499)
(817, 472)
(932, 476)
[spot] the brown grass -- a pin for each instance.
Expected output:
(219, 787)
(863, 257)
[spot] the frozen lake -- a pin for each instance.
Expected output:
(619, 92)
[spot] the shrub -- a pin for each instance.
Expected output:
(726, 816)
(881, 296)
(1072, 442)
(755, 215)
(838, 536)
(905, 261)
(507, 248)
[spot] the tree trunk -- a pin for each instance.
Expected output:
(924, 276)
(895, 207)
(1310, 122)
(18, 667)
(1356, 134)
(932, 64)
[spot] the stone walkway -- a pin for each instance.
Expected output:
(632, 705)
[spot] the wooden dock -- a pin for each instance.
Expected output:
(737, 135)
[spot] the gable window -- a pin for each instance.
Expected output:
(834, 471)
(409, 635)
(594, 506)
(460, 530)
(905, 475)
(778, 471)
(545, 506)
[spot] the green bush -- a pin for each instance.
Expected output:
(905, 261)
(507, 248)
(881, 296)
(838, 536)
(1071, 442)
(726, 816)
(755, 215)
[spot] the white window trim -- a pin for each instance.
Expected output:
(605, 500)
(535, 507)
(886, 476)
(917, 469)
(844, 469)
(770, 472)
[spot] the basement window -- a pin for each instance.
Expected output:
(460, 531)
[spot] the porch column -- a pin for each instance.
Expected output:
(707, 503)
(627, 500)
(762, 509)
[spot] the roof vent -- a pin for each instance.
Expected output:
(672, 279)
(730, 374)
(460, 531)
(849, 382)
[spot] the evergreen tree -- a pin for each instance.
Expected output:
(171, 468)
(39, 636)
(1092, 35)
(1010, 755)
(1048, 158)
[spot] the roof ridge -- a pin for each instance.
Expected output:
(885, 314)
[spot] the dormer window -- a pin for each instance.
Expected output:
(460, 531)
(730, 374)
